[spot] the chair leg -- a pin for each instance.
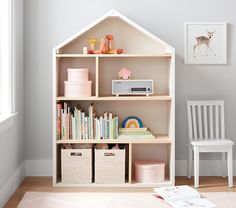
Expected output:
(190, 162)
(223, 164)
(230, 168)
(196, 166)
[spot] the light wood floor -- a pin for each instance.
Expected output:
(44, 184)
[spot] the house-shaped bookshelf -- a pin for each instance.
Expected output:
(148, 57)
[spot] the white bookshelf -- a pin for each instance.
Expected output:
(148, 57)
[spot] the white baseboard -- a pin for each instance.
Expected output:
(11, 185)
(207, 167)
(38, 167)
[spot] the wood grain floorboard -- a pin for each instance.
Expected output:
(44, 184)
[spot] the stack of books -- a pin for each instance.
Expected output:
(74, 123)
(135, 133)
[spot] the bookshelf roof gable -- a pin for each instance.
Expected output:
(152, 38)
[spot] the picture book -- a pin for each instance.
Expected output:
(182, 197)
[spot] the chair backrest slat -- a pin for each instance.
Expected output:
(190, 126)
(217, 111)
(200, 121)
(194, 122)
(211, 121)
(222, 121)
(206, 120)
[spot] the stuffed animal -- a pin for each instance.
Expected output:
(101, 146)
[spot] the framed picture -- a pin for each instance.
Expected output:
(205, 43)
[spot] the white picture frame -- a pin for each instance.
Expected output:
(205, 43)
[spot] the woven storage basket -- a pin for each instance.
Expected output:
(109, 166)
(76, 165)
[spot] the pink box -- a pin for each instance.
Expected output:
(149, 171)
(77, 88)
(77, 74)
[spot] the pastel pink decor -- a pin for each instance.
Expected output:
(77, 74)
(124, 73)
(149, 171)
(77, 84)
(78, 88)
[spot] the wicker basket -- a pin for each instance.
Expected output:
(76, 165)
(109, 166)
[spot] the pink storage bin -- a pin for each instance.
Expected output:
(77, 74)
(78, 88)
(149, 171)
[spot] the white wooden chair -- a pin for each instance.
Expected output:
(206, 122)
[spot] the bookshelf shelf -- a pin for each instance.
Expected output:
(103, 98)
(147, 57)
(165, 55)
(125, 185)
(160, 139)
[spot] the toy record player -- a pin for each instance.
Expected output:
(132, 87)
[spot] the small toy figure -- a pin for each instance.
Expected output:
(124, 73)
(109, 39)
(103, 46)
(85, 50)
(92, 42)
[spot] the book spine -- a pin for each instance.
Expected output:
(91, 120)
(94, 128)
(86, 127)
(108, 132)
(117, 127)
(82, 125)
(114, 127)
(105, 126)
(99, 130)
(70, 127)
(59, 107)
(79, 125)
(73, 128)
(100, 121)
(62, 124)
(66, 122)
(110, 126)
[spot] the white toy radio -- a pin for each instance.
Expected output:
(132, 87)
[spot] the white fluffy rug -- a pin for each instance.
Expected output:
(111, 200)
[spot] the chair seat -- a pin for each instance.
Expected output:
(212, 142)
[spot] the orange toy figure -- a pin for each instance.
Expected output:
(103, 46)
(109, 39)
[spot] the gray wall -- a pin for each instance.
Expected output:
(49, 22)
(11, 148)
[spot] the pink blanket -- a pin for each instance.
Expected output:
(112, 200)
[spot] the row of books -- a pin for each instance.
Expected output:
(74, 123)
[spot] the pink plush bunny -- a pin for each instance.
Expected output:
(124, 73)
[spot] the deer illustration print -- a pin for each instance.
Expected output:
(204, 40)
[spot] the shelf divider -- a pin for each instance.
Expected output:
(97, 76)
(130, 163)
